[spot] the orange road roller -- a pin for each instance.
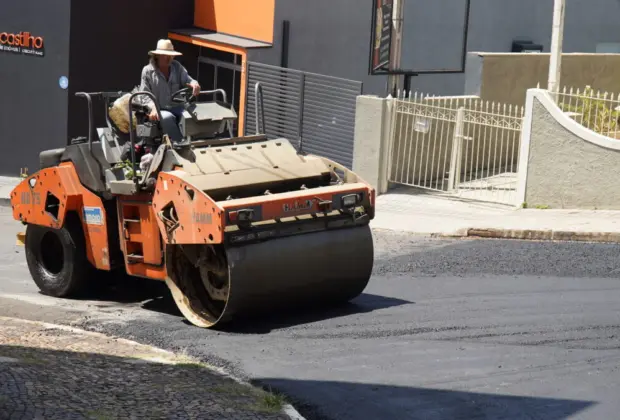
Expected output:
(233, 225)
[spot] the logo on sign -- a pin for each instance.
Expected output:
(297, 206)
(93, 215)
(22, 43)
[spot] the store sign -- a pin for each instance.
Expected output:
(22, 43)
(381, 34)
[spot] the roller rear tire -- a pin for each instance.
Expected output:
(57, 259)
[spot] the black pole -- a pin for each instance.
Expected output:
(407, 84)
(465, 35)
(286, 30)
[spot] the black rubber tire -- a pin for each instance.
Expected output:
(66, 275)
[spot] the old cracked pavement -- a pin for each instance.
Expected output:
(48, 372)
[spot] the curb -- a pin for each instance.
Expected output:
(87, 333)
(534, 235)
(287, 409)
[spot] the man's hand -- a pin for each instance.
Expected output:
(196, 88)
(153, 115)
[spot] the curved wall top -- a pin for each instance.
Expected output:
(545, 98)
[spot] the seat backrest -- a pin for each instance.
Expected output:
(109, 143)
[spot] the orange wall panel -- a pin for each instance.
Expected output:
(245, 18)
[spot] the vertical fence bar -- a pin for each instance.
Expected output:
(415, 111)
(503, 164)
(466, 144)
(441, 165)
(407, 139)
(302, 89)
(458, 135)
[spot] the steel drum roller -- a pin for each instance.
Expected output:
(307, 270)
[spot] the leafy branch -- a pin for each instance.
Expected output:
(597, 112)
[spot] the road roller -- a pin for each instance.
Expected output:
(234, 225)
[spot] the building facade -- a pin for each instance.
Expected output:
(70, 46)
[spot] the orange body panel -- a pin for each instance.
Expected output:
(197, 219)
(296, 203)
(253, 19)
(62, 182)
(140, 235)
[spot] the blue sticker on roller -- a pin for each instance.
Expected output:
(63, 82)
(93, 215)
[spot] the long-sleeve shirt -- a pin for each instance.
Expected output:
(154, 81)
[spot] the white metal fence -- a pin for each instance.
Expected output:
(458, 145)
(595, 110)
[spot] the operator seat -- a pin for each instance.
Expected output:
(114, 141)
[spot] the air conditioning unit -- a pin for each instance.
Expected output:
(526, 46)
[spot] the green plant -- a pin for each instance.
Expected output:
(271, 401)
(596, 111)
(126, 166)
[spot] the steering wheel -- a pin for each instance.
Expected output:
(183, 96)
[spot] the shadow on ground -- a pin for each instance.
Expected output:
(118, 287)
(40, 383)
(349, 401)
(365, 303)
(155, 296)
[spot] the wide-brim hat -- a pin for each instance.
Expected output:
(165, 47)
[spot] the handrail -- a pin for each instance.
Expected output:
(222, 91)
(90, 118)
(258, 92)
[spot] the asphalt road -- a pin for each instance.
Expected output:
(447, 329)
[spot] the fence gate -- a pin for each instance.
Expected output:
(462, 146)
(315, 112)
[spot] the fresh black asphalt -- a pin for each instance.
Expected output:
(447, 329)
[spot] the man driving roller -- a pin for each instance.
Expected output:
(162, 77)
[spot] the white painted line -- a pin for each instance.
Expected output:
(37, 300)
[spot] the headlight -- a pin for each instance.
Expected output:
(351, 200)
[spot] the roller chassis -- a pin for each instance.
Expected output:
(198, 215)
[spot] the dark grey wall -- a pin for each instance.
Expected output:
(332, 37)
(33, 111)
(326, 36)
(110, 41)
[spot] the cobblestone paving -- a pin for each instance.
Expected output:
(55, 374)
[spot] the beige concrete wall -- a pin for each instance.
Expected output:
(372, 121)
(506, 77)
(569, 167)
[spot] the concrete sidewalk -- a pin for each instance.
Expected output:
(435, 215)
(59, 373)
(7, 184)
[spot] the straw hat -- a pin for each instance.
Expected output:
(164, 47)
